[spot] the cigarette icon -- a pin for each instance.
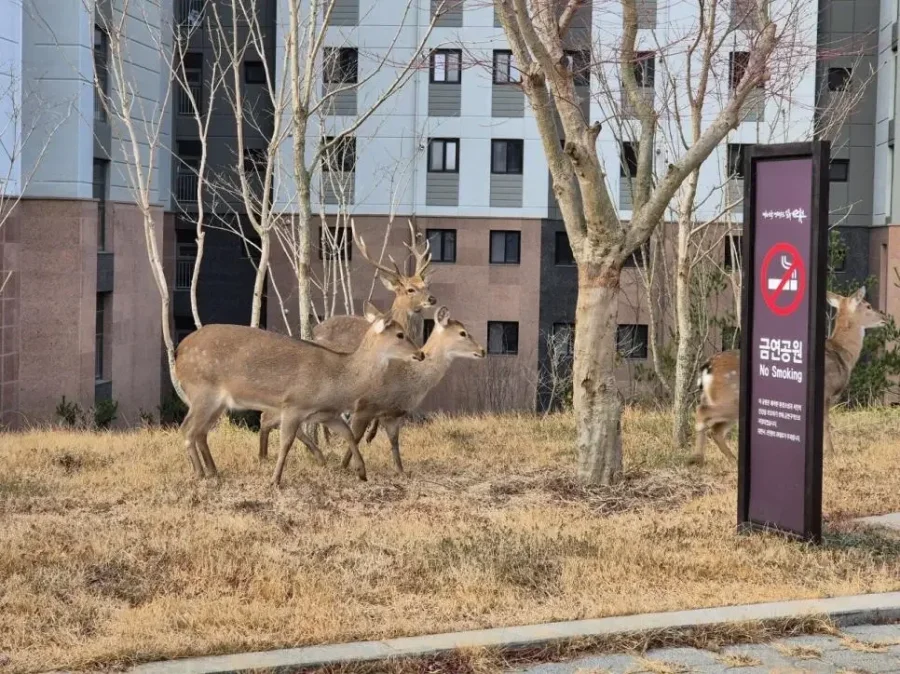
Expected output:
(790, 284)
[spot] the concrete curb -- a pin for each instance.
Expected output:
(845, 611)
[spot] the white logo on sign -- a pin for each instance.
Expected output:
(791, 284)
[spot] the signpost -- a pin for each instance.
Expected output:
(783, 338)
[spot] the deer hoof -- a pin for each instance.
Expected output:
(696, 460)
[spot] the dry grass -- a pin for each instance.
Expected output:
(110, 553)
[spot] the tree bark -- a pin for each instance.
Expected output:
(304, 219)
(598, 410)
(259, 283)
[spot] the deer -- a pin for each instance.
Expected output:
(241, 368)
(404, 385)
(719, 379)
(344, 333)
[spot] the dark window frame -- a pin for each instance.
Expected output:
(628, 153)
(633, 261)
(254, 67)
(559, 259)
(843, 172)
(100, 192)
(446, 53)
(518, 144)
(344, 245)
(509, 69)
(517, 236)
(738, 62)
(342, 69)
(441, 234)
(344, 150)
(558, 327)
(506, 349)
(735, 159)
(578, 62)
(645, 69)
(733, 243)
(101, 66)
(637, 329)
(444, 142)
(100, 337)
(839, 78)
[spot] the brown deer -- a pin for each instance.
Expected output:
(720, 376)
(344, 333)
(235, 367)
(405, 385)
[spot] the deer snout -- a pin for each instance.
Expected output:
(419, 356)
(481, 353)
(432, 300)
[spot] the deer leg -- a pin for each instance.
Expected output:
(392, 428)
(826, 431)
(358, 423)
(718, 435)
(698, 458)
(193, 456)
(373, 431)
(205, 412)
(267, 422)
(290, 424)
(211, 470)
(311, 446)
(340, 427)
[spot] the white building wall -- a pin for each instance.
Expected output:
(10, 96)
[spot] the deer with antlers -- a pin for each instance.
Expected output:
(344, 333)
(236, 367)
(720, 379)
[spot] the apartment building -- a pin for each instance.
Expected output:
(455, 150)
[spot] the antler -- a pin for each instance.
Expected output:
(393, 273)
(423, 256)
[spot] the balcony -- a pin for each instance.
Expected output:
(189, 12)
(184, 271)
(184, 105)
(186, 183)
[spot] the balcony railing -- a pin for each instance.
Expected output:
(186, 186)
(184, 271)
(185, 107)
(190, 12)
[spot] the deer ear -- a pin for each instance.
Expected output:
(860, 294)
(380, 325)
(370, 312)
(833, 300)
(442, 317)
(389, 282)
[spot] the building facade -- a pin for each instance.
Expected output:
(455, 150)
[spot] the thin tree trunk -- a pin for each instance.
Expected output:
(259, 283)
(598, 410)
(304, 221)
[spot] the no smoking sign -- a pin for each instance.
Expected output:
(782, 279)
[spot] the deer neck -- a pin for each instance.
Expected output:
(848, 337)
(400, 312)
(364, 367)
(437, 359)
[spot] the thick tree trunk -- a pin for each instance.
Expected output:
(598, 410)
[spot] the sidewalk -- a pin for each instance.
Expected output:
(843, 611)
(865, 648)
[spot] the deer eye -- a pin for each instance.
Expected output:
(410, 290)
(462, 333)
(399, 335)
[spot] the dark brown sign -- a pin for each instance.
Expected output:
(783, 338)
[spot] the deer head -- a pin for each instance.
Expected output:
(386, 337)
(411, 292)
(854, 311)
(451, 338)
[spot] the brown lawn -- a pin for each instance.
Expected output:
(110, 552)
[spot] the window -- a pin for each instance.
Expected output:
(100, 337)
(503, 337)
(631, 341)
(446, 66)
(637, 258)
(341, 65)
(505, 247)
(736, 155)
(839, 170)
(340, 155)
(101, 179)
(563, 253)
(645, 69)
(443, 244)
(192, 71)
(505, 70)
(427, 329)
(506, 156)
(563, 340)
(732, 259)
(738, 63)
(628, 163)
(255, 160)
(579, 64)
(185, 258)
(335, 242)
(443, 155)
(101, 56)
(254, 72)
(839, 79)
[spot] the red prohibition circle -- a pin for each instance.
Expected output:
(771, 297)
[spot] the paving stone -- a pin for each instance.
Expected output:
(615, 664)
(767, 655)
(690, 657)
(876, 634)
(870, 662)
(818, 642)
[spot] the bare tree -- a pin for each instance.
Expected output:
(600, 241)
